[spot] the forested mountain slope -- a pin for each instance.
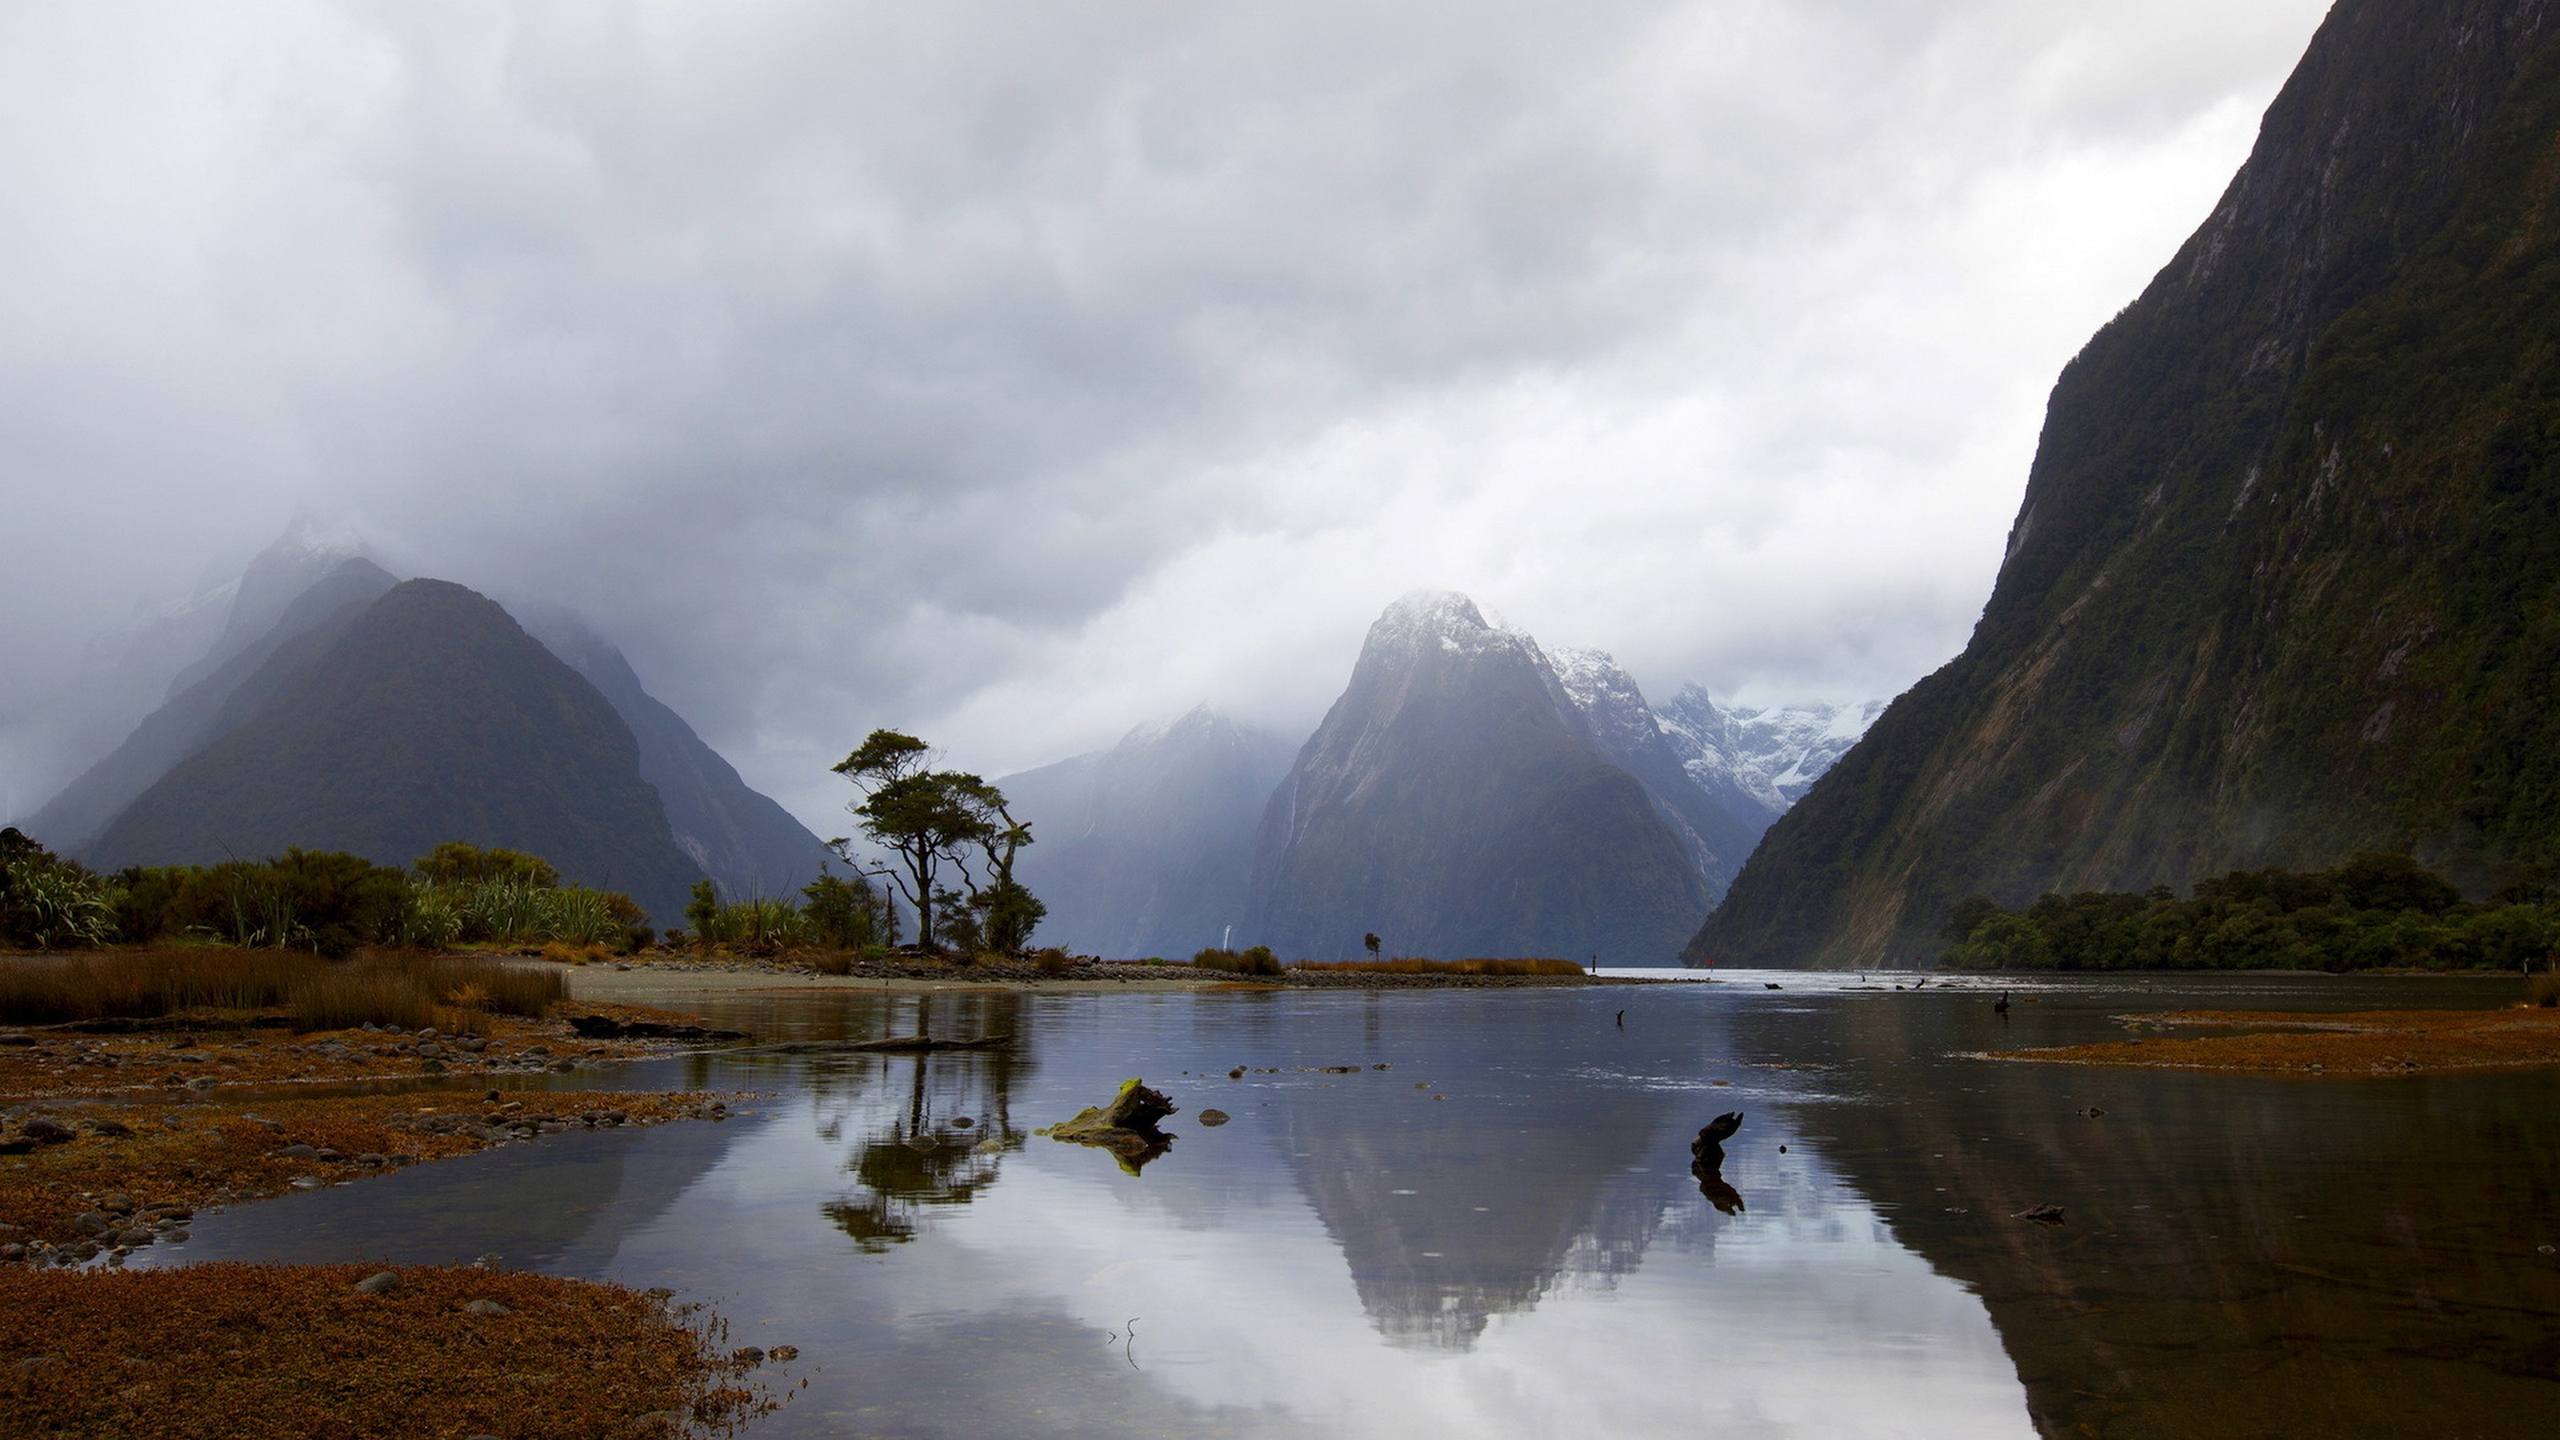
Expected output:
(2286, 581)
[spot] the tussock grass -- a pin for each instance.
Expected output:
(403, 990)
(1408, 965)
(2543, 989)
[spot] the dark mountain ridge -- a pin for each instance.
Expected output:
(429, 716)
(2286, 580)
(1455, 802)
(209, 708)
(747, 844)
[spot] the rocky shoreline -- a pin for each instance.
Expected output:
(1087, 974)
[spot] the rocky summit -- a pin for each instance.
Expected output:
(1456, 802)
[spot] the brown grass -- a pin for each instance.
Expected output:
(1411, 966)
(389, 989)
(2373, 1042)
(227, 1350)
(2543, 989)
(188, 1156)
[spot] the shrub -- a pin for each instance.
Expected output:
(1257, 961)
(846, 913)
(46, 901)
(758, 924)
(456, 862)
(2544, 989)
(1051, 963)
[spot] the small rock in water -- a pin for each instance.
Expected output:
(962, 1122)
(2093, 1112)
(783, 1354)
(1236, 1074)
(749, 1355)
(381, 1282)
(1213, 1117)
(2041, 1214)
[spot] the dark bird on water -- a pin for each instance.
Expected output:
(1622, 1019)
(2000, 1006)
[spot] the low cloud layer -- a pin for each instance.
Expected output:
(1017, 373)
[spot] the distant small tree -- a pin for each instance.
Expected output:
(1370, 942)
(702, 911)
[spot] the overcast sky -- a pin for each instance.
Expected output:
(1017, 373)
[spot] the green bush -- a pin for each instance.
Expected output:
(47, 902)
(847, 913)
(459, 862)
(1257, 961)
(2371, 912)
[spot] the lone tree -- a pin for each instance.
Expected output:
(1371, 942)
(931, 821)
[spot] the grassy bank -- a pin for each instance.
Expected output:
(225, 1350)
(408, 990)
(2365, 1043)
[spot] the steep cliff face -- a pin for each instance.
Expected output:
(747, 844)
(1455, 802)
(2286, 580)
(1717, 823)
(428, 716)
(1146, 848)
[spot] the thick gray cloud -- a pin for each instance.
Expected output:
(1016, 373)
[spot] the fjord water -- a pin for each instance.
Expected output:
(1499, 1234)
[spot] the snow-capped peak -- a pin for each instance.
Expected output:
(1773, 753)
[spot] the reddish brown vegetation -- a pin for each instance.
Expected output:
(163, 1157)
(2372, 1042)
(217, 1351)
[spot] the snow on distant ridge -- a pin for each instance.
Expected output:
(1773, 753)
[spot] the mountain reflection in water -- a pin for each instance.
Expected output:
(1501, 1233)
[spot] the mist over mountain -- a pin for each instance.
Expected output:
(1456, 802)
(747, 844)
(1147, 848)
(210, 707)
(430, 716)
(2285, 583)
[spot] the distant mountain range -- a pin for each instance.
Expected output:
(2285, 583)
(1470, 794)
(336, 707)
(1144, 849)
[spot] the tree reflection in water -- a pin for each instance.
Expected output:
(945, 1138)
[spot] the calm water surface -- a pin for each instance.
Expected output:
(1498, 1235)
